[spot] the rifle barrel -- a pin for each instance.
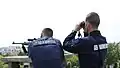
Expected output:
(21, 43)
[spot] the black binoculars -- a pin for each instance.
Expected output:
(82, 25)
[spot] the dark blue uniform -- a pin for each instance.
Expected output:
(91, 49)
(46, 52)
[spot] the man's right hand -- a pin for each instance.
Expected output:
(77, 27)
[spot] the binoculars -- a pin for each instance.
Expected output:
(82, 24)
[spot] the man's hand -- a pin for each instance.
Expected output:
(77, 27)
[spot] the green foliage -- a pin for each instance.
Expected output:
(73, 60)
(2, 65)
(113, 54)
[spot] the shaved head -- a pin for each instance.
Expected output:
(94, 19)
(47, 32)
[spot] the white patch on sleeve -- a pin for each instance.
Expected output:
(101, 46)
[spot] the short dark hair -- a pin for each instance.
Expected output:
(48, 32)
(94, 19)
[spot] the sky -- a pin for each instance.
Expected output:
(23, 19)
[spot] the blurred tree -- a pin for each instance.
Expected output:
(113, 54)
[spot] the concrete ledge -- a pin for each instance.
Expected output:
(14, 61)
(21, 59)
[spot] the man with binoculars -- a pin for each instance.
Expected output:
(92, 48)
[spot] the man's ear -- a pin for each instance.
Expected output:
(89, 26)
(42, 34)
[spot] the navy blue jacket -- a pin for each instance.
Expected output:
(91, 49)
(46, 52)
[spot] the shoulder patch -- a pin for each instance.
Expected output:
(101, 46)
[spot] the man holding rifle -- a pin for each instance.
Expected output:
(92, 48)
(46, 52)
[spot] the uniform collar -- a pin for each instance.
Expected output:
(45, 37)
(95, 32)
